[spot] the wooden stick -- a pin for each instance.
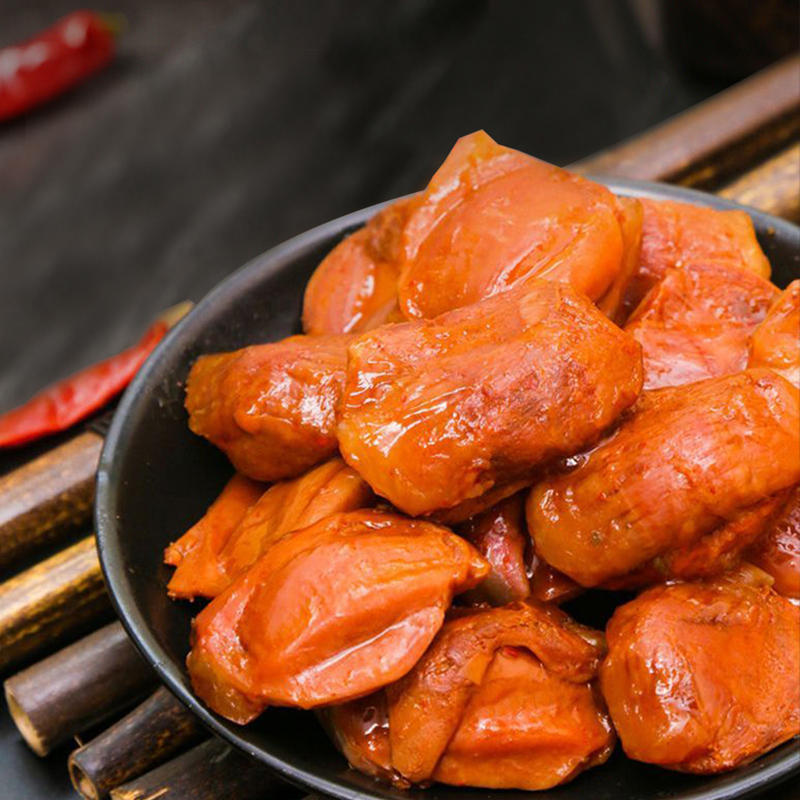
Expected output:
(153, 732)
(48, 497)
(715, 139)
(76, 688)
(210, 771)
(51, 601)
(773, 186)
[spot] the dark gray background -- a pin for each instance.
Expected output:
(224, 128)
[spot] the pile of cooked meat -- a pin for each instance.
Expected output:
(515, 391)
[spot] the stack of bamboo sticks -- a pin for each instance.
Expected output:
(742, 144)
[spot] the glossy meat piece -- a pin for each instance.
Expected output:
(329, 613)
(703, 677)
(270, 407)
(287, 506)
(548, 585)
(354, 289)
(360, 729)
(492, 217)
(682, 236)
(696, 323)
(777, 552)
(717, 552)
(502, 699)
(525, 728)
(475, 506)
(499, 535)
(776, 342)
(685, 461)
(427, 705)
(196, 552)
(630, 214)
(438, 412)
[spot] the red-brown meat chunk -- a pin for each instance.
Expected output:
(682, 236)
(504, 698)
(492, 217)
(227, 546)
(777, 552)
(438, 412)
(499, 535)
(686, 461)
(354, 289)
(696, 323)
(703, 677)
(776, 341)
(329, 613)
(271, 407)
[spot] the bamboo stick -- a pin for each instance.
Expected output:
(47, 498)
(51, 601)
(210, 771)
(715, 139)
(773, 186)
(153, 732)
(78, 687)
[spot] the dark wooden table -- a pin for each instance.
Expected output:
(225, 128)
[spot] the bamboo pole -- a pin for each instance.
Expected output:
(713, 140)
(50, 602)
(47, 498)
(210, 771)
(773, 186)
(156, 730)
(78, 687)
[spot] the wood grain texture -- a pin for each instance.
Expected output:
(715, 139)
(47, 498)
(52, 600)
(153, 732)
(210, 771)
(772, 186)
(78, 687)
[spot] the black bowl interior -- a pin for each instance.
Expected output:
(156, 479)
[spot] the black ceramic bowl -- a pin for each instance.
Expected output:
(156, 479)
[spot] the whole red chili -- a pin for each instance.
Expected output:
(33, 72)
(63, 404)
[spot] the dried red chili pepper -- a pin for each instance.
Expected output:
(63, 404)
(35, 71)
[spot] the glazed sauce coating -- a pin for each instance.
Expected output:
(492, 217)
(438, 412)
(229, 546)
(703, 677)
(696, 323)
(685, 461)
(271, 408)
(681, 236)
(329, 613)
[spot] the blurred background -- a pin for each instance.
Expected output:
(223, 128)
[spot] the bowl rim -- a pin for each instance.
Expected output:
(769, 773)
